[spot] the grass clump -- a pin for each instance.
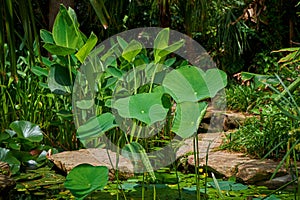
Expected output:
(260, 134)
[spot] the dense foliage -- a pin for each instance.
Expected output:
(43, 44)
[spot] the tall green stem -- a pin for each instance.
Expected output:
(135, 82)
(152, 78)
(133, 128)
(196, 159)
(70, 69)
(143, 187)
(11, 39)
(177, 177)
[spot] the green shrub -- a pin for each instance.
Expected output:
(260, 134)
(243, 98)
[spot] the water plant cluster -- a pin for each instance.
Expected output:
(74, 96)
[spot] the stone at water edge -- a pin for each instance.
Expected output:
(222, 164)
(246, 170)
(256, 171)
(276, 182)
(282, 177)
(67, 160)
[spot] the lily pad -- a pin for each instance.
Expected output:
(27, 130)
(85, 178)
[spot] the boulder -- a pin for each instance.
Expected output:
(67, 160)
(255, 171)
(246, 170)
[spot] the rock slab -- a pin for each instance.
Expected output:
(246, 170)
(67, 160)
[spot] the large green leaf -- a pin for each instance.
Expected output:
(65, 32)
(186, 84)
(59, 80)
(7, 156)
(169, 49)
(73, 16)
(215, 80)
(46, 36)
(161, 41)
(146, 107)
(85, 178)
(132, 50)
(190, 83)
(96, 126)
(87, 47)
(135, 152)
(27, 130)
(58, 50)
(162, 47)
(188, 116)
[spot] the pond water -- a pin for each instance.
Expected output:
(44, 183)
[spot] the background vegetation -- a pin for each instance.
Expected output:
(239, 36)
(256, 42)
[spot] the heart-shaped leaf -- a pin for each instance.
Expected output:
(162, 40)
(188, 116)
(189, 83)
(85, 178)
(229, 185)
(215, 80)
(85, 104)
(27, 130)
(186, 84)
(169, 49)
(146, 107)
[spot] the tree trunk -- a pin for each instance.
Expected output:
(54, 8)
(164, 13)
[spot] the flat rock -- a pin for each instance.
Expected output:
(207, 141)
(222, 164)
(254, 171)
(246, 170)
(67, 160)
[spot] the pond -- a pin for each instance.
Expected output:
(45, 183)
